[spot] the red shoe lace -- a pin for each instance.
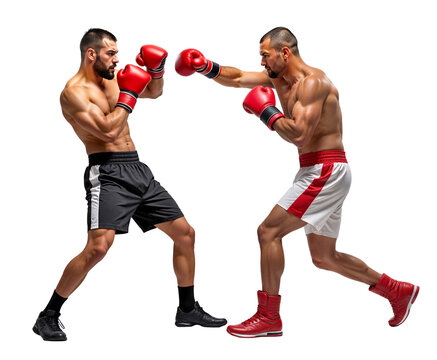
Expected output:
(255, 318)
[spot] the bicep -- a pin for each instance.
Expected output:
(91, 119)
(308, 114)
(300, 128)
(252, 79)
(311, 97)
(84, 113)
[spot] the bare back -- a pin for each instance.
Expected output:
(85, 104)
(314, 99)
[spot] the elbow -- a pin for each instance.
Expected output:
(109, 137)
(156, 94)
(236, 84)
(299, 144)
(300, 141)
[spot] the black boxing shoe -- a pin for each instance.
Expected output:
(47, 326)
(197, 316)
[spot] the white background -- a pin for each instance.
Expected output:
(226, 171)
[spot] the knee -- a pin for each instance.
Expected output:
(186, 238)
(97, 250)
(266, 234)
(190, 237)
(322, 262)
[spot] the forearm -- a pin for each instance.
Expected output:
(229, 76)
(113, 124)
(290, 131)
(154, 89)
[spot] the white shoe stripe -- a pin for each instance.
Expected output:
(409, 305)
(259, 334)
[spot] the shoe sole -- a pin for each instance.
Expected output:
(36, 331)
(182, 324)
(411, 302)
(266, 334)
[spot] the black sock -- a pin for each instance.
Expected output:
(55, 302)
(186, 298)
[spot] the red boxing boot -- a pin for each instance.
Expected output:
(400, 294)
(266, 321)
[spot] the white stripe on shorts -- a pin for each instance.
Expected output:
(95, 195)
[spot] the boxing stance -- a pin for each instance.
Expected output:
(311, 120)
(97, 102)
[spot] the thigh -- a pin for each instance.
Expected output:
(317, 194)
(175, 228)
(281, 222)
(101, 238)
(157, 207)
(330, 228)
(321, 246)
(112, 196)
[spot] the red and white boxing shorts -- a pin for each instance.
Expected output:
(318, 191)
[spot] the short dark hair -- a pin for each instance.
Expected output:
(93, 38)
(281, 36)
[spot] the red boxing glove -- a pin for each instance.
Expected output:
(153, 57)
(261, 102)
(190, 61)
(132, 81)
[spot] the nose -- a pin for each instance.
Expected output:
(263, 62)
(115, 59)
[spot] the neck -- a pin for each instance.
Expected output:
(88, 72)
(296, 70)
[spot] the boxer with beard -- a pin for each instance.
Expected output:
(97, 103)
(311, 120)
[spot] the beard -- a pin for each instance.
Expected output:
(102, 70)
(272, 74)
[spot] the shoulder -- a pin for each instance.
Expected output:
(74, 96)
(315, 86)
(75, 88)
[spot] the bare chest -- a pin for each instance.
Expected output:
(105, 98)
(287, 97)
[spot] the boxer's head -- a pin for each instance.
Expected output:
(100, 48)
(276, 47)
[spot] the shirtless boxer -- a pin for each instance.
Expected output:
(312, 121)
(97, 105)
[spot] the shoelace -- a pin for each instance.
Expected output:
(253, 319)
(203, 312)
(54, 323)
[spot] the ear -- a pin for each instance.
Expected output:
(286, 53)
(91, 54)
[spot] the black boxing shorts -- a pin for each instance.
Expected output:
(119, 187)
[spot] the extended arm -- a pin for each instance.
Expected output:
(231, 76)
(190, 61)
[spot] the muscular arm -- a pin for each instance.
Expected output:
(234, 77)
(306, 113)
(77, 106)
(153, 90)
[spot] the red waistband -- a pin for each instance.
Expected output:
(322, 157)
